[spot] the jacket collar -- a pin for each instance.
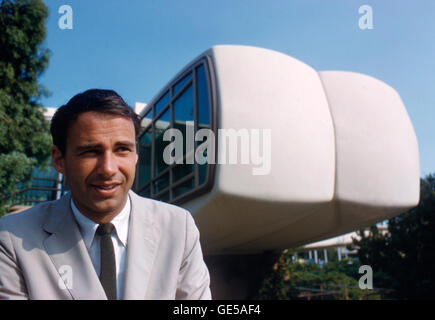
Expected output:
(68, 253)
(143, 237)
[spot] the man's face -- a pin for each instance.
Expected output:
(99, 163)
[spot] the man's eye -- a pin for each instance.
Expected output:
(90, 152)
(124, 149)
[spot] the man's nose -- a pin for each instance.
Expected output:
(108, 165)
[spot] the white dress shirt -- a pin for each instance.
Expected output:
(119, 238)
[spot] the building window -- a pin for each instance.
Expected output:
(188, 105)
(46, 185)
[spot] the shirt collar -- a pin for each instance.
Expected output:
(88, 227)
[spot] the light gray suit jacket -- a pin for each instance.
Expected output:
(43, 256)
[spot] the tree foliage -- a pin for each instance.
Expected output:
(335, 280)
(402, 260)
(404, 257)
(24, 134)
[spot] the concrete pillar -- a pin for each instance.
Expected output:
(325, 255)
(339, 253)
(316, 260)
(238, 277)
(310, 256)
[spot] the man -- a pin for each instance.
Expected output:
(101, 241)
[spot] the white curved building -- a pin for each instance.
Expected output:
(316, 154)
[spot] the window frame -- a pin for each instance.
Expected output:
(198, 189)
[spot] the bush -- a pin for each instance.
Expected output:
(301, 280)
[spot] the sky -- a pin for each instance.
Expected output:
(135, 47)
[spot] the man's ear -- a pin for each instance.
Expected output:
(137, 152)
(57, 160)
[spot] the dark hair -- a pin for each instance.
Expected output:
(97, 100)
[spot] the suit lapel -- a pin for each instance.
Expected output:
(143, 236)
(68, 253)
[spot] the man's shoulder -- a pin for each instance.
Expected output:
(34, 216)
(158, 209)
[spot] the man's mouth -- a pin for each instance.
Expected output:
(106, 186)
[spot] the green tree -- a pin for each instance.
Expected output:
(335, 280)
(24, 134)
(404, 257)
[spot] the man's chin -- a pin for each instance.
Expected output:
(98, 209)
(97, 206)
(108, 206)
